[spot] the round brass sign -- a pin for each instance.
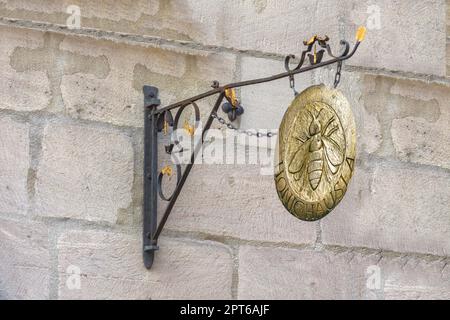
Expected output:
(316, 152)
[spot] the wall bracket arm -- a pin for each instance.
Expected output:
(158, 119)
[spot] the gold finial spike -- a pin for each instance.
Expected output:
(361, 33)
(315, 54)
(188, 128)
(165, 127)
(231, 94)
(167, 170)
(310, 41)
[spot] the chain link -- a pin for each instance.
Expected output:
(337, 77)
(292, 84)
(249, 133)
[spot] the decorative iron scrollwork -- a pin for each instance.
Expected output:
(166, 120)
(315, 57)
(161, 176)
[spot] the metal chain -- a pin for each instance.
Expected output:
(337, 77)
(249, 133)
(292, 84)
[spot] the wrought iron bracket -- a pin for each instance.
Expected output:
(158, 118)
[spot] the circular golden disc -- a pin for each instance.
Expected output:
(316, 152)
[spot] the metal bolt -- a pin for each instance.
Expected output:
(215, 84)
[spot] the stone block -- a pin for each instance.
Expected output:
(110, 266)
(85, 173)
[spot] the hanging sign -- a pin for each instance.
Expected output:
(316, 152)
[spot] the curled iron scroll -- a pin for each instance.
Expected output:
(169, 148)
(323, 44)
(160, 180)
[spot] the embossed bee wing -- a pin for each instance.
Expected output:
(299, 162)
(333, 153)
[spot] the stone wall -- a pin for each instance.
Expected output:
(71, 151)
